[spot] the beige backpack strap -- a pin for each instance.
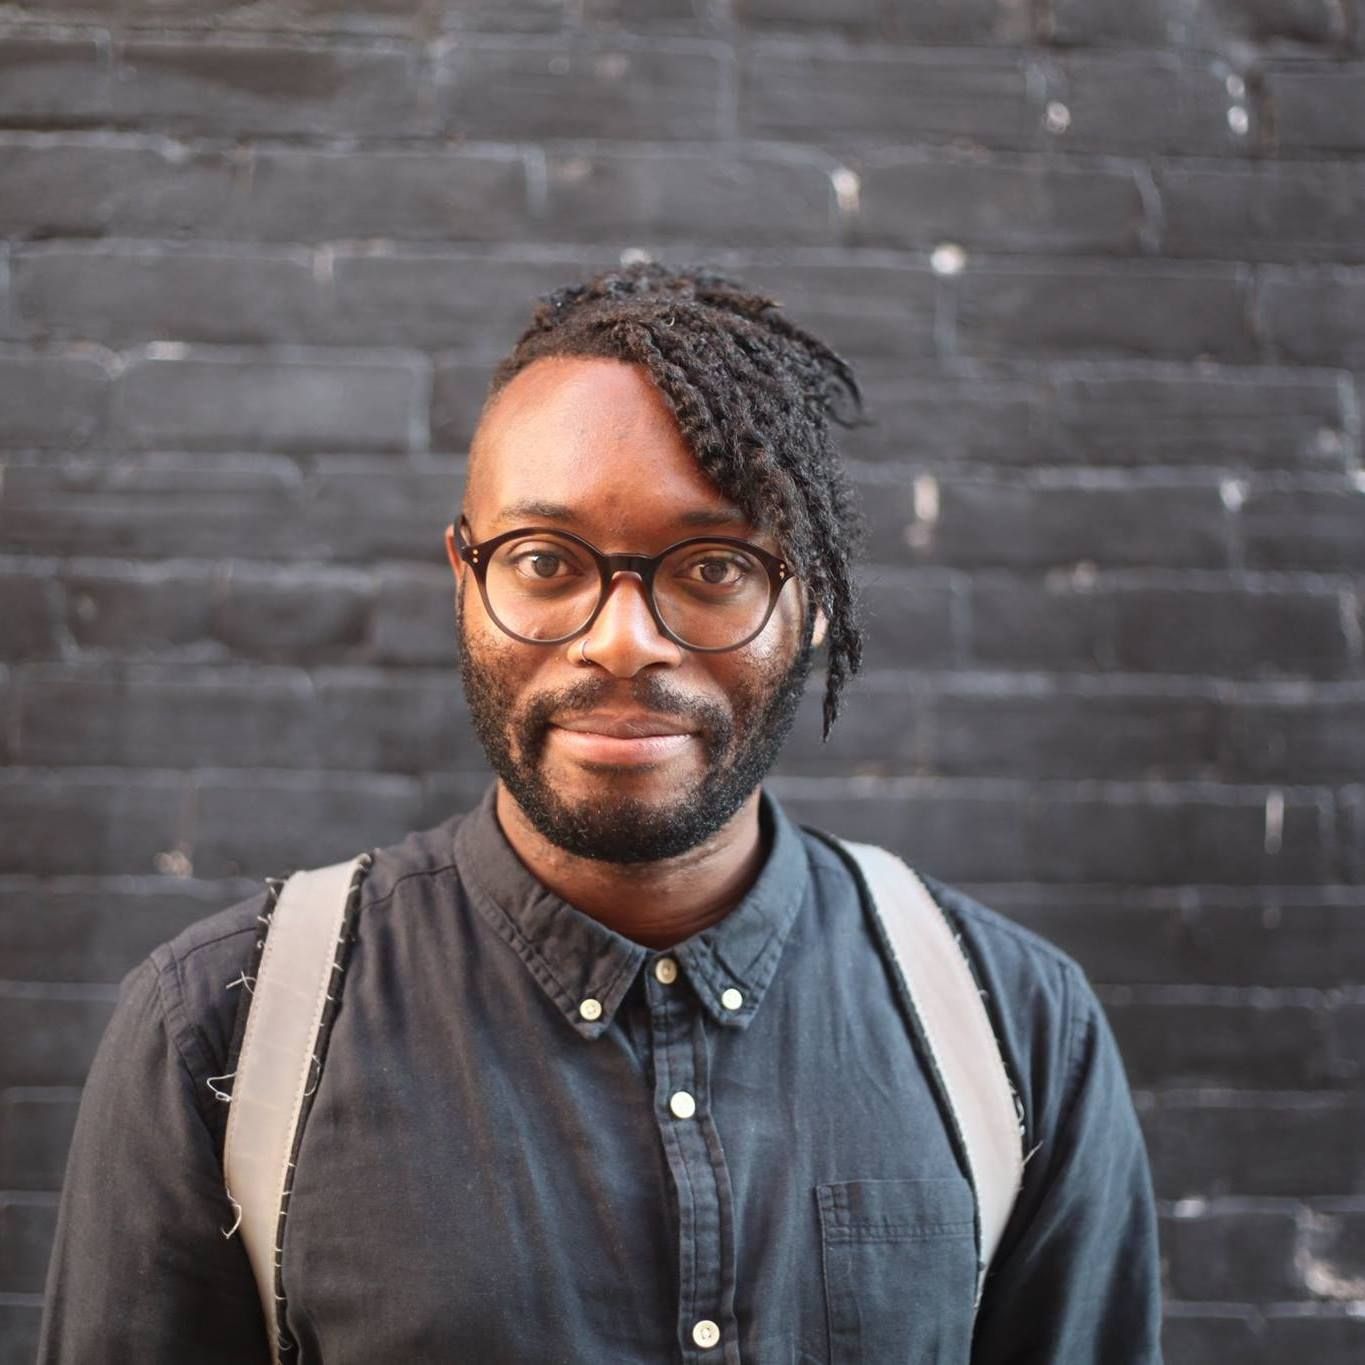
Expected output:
(965, 1052)
(276, 1072)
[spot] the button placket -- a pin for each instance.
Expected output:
(701, 1181)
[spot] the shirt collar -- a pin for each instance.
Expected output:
(575, 959)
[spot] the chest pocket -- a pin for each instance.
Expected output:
(899, 1270)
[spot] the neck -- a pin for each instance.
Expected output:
(657, 904)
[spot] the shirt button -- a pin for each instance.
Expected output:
(666, 970)
(683, 1106)
(705, 1333)
(590, 1009)
(731, 999)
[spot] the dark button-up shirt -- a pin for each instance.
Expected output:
(535, 1140)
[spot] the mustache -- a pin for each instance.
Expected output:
(711, 720)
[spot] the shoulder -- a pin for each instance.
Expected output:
(200, 974)
(1044, 1011)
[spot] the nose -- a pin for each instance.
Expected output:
(625, 639)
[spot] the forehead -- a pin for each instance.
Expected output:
(595, 439)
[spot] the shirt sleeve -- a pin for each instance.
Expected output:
(140, 1270)
(1077, 1279)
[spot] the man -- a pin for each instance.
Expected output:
(619, 1072)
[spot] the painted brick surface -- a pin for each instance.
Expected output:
(1101, 267)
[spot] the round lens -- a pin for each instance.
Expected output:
(542, 587)
(711, 595)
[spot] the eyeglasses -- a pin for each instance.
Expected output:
(544, 586)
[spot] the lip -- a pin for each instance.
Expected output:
(621, 741)
(623, 725)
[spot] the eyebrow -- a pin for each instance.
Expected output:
(538, 509)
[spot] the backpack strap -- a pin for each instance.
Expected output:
(957, 1030)
(292, 996)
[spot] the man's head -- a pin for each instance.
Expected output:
(639, 410)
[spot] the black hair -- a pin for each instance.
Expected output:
(753, 395)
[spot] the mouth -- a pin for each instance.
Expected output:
(637, 740)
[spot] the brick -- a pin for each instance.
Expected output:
(53, 1032)
(1254, 1040)
(293, 615)
(1333, 1250)
(1145, 311)
(30, 606)
(382, 721)
(465, 302)
(946, 419)
(918, 198)
(35, 1133)
(133, 609)
(1334, 1333)
(414, 617)
(1319, 526)
(123, 295)
(28, 1225)
(82, 929)
(667, 16)
(1157, 103)
(1176, 415)
(791, 91)
(1194, 1334)
(1211, 24)
(1280, 936)
(977, 522)
(51, 81)
(399, 194)
(874, 313)
(89, 820)
(284, 405)
(662, 195)
(257, 824)
(1317, 108)
(1298, 737)
(970, 22)
(143, 716)
(881, 732)
(1215, 1143)
(149, 506)
(910, 615)
(458, 391)
(512, 90)
(1086, 23)
(1216, 629)
(60, 186)
(280, 88)
(51, 401)
(1069, 732)
(369, 512)
(374, 16)
(1315, 317)
(1008, 830)
(1230, 1252)
(1270, 211)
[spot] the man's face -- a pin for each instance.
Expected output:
(588, 445)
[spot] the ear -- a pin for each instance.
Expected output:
(821, 626)
(452, 551)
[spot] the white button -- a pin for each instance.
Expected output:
(682, 1104)
(731, 999)
(705, 1333)
(666, 970)
(590, 1009)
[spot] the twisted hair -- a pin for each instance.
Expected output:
(753, 395)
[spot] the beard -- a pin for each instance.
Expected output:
(740, 743)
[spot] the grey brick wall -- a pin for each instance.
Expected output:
(1103, 267)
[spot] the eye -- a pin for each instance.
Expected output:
(542, 562)
(718, 570)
